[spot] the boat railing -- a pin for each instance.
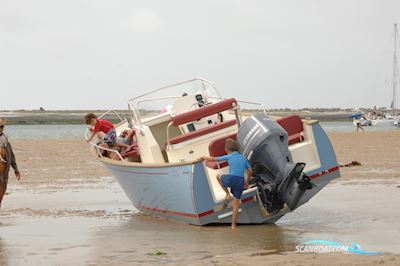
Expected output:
(134, 103)
(202, 80)
(137, 118)
(264, 110)
(97, 147)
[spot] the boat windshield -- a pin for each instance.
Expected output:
(153, 102)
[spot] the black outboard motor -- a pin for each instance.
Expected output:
(265, 144)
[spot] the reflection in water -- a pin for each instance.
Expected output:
(133, 241)
(3, 257)
(99, 227)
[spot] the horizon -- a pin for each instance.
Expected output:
(382, 108)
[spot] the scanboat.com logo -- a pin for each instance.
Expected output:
(325, 246)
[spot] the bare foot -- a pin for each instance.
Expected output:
(233, 226)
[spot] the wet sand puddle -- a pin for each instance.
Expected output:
(96, 225)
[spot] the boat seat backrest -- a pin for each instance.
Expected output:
(216, 148)
(294, 127)
(201, 132)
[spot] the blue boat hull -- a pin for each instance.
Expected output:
(182, 192)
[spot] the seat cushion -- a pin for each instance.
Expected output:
(203, 112)
(216, 148)
(131, 151)
(293, 126)
(201, 132)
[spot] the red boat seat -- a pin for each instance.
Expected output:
(202, 132)
(203, 112)
(294, 127)
(216, 149)
(131, 151)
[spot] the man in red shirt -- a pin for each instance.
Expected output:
(104, 129)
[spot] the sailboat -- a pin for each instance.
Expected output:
(395, 77)
(375, 117)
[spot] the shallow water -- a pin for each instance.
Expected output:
(97, 225)
(45, 131)
(76, 131)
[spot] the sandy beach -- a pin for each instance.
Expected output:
(67, 210)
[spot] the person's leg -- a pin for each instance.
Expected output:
(101, 135)
(121, 145)
(228, 195)
(131, 135)
(237, 186)
(2, 191)
(235, 211)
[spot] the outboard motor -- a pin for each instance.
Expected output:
(279, 180)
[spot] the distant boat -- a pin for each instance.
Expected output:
(395, 78)
(361, 119)
(375, 117)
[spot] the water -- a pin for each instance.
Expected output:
(76, 131)
(349, 127)
(44, 131)
(96, 224)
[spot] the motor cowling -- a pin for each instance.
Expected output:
(279, 180)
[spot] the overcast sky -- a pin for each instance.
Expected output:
(77, 54)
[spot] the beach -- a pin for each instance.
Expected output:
(68, 210)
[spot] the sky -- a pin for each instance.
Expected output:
(97, 54)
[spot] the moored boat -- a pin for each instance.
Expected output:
(292, 158)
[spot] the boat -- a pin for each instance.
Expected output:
(395, 80)
(361, 119)
(292, 159)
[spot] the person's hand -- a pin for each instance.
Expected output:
(17, 175)
(200, 158)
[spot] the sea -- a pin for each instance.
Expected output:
(77, 131)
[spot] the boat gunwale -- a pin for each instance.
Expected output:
(163, 165)
(142, 165)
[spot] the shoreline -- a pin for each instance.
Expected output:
(76, 117)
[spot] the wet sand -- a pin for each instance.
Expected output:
(67, 210)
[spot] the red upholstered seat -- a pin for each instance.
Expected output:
(202, 132)
(131, 151)
(294, 127)
(203, 112)
(216, 149)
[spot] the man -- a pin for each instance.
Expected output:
(235, 180)
(7, 159)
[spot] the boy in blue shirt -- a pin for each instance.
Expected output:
(238, 165)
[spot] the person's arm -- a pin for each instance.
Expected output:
(95, 130)
(220, 158)
(207, 158)
(91, 136)
(249, 174)
(131, 135)
(14, 163)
